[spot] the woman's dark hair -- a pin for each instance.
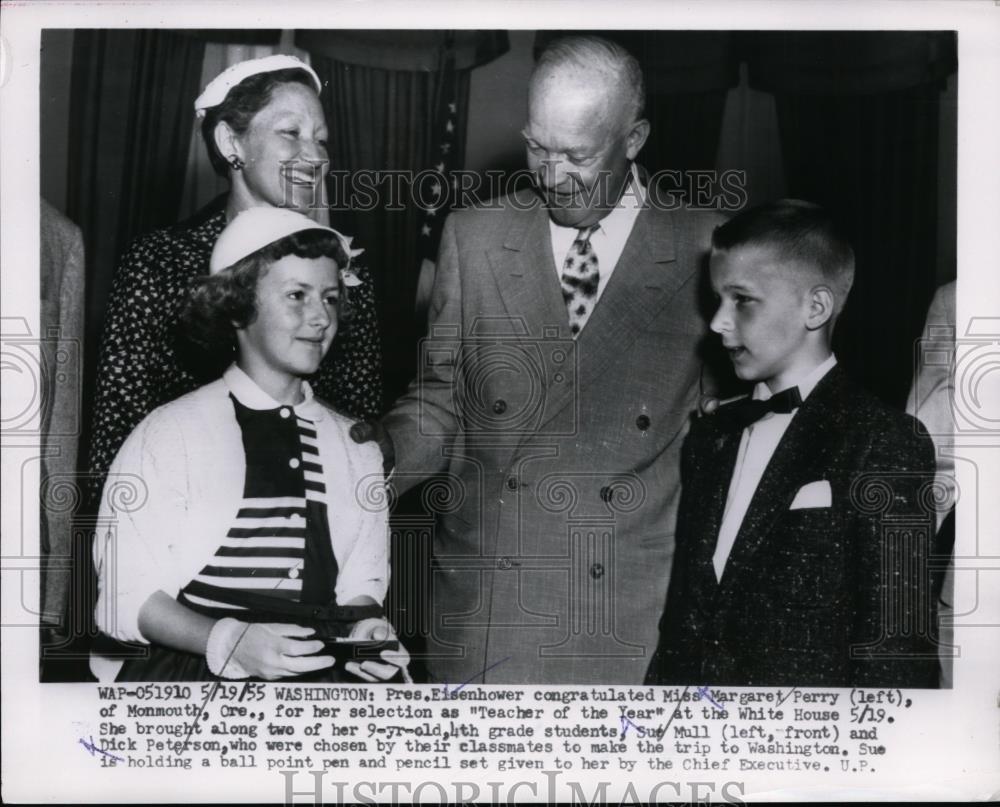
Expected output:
(220, 304)
(242, 102)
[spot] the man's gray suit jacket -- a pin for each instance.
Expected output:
(561, 457)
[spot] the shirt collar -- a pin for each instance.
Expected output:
(246, 391)
(622, 216)
(761, 392)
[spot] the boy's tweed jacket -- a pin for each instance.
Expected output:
(822, 596)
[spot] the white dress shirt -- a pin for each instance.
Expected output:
(608, 240)
(757, 446)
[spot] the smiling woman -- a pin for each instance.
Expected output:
(274, 154)
(231, 567)
(265, 132)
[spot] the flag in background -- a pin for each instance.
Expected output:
(438, 195)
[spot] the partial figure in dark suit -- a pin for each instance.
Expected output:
(555, 389)
(805, 518)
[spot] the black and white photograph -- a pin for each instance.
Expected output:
(539, 410)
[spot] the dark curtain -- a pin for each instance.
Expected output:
(131, 117)
(130, 120)
(383, 119)
(858, 115)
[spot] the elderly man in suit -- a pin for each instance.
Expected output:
(555, 389)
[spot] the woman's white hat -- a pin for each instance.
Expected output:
(257, 227)
(218, 88)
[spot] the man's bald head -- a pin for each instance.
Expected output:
(584, 127)
(610, 72)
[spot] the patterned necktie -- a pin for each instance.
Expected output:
(580, 276)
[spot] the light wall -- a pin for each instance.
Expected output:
(498, 104)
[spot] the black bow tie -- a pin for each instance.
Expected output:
(747, 411)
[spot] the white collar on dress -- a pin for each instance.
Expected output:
(246, 391)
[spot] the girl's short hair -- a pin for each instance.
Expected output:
(222, 303)
(242, 102)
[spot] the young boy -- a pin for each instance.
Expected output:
(801, 544)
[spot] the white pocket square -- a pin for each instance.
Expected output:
(815, 494)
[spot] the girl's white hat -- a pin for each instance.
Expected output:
(257, 227)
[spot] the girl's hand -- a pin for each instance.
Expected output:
(263, 650)
(378, 630)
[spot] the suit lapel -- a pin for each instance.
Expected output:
(644, 279)
(797, 460)
(640, 286)
(525, 274)
(709, 491)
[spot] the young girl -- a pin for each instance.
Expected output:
(256, 524)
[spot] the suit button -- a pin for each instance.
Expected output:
(504, 563)
(511, 483)
(607, 493)
(294, 463)
(597, 571)
(499, 406)
(642, 422)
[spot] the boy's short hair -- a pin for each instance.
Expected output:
(799, 232)
(224, 302)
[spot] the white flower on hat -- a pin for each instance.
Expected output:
(218, 88)
(347, 275)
